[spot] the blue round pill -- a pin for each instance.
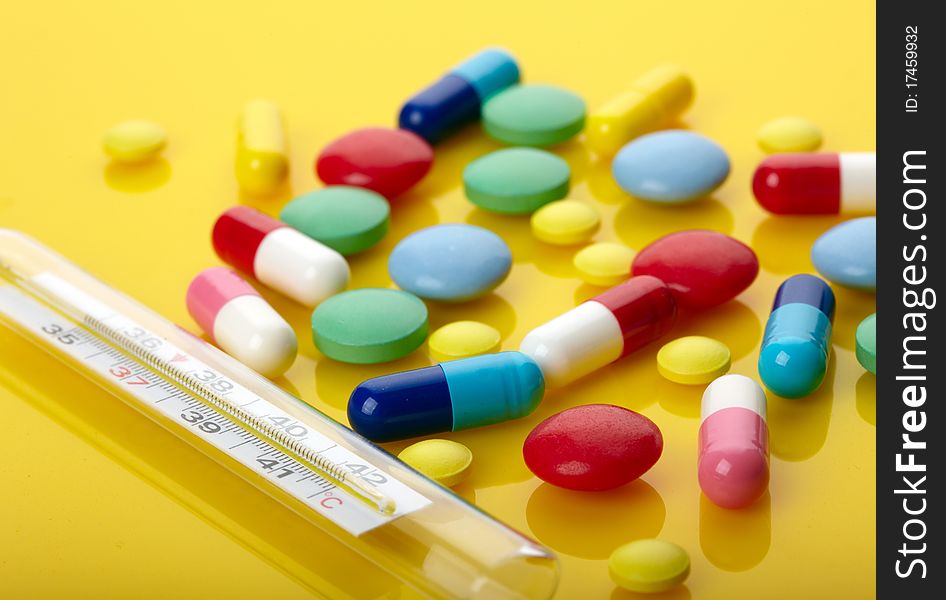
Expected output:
(451, 262)
(670, 167)
(846, 254)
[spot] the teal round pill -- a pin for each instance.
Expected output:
(533, 115)
(344, 218)
(369, 325)
(516, 181)
(866, 340)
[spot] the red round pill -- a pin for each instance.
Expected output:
(387, 161)
(701, 268)
(593, 447)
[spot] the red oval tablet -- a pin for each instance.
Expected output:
(387, 161)
(701, 268)
(593, 447)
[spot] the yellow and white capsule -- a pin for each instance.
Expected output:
(262, 162)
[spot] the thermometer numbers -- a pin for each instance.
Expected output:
(120, 371)
(63, 337)
(213, 380)
(289, 426)
(269, 464)
(197, 419)
(366, 472)
(143, 338)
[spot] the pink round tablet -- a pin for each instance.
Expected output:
(387, 161)
(593, 447)
(702, 268)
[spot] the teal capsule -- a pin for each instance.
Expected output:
(797, 338)
(457, 394)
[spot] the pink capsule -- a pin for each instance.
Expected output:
(241, 322)
(734, 442)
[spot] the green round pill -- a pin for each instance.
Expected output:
(369, 325)
(516, 181)
(866, 339)
(345, 218)
(533, 115)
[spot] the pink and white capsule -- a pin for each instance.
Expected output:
(241, 322)
(734, 442)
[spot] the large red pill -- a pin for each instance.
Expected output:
(702, 268)
(593, 447)
(387, 161)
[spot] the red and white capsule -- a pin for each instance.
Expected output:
(817, 183)
(601, 330)
(241, 322)
(278, 256)
(734, 442)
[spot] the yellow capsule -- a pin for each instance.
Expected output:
(693, 360)
(789, 134)
(565, 222)
(446, 462)
(262, 162)
(605, 264)
(462, 339)
(654, 101)
(134, 141)
(649, 566)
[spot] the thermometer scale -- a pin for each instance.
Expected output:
(363, 496)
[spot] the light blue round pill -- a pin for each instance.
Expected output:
(670, 167)
(450, 262)
(846, 254)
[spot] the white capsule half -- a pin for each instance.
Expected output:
(574, 344)
(858, 182)
(241, 322)
(278, 256)
(300, 267)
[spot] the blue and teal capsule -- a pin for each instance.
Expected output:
(458, 394)
(797, 337)
(455, 100)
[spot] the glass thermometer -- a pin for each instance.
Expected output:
(408, 525)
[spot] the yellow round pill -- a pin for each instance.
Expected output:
(605, 263)
(461, 339)
(693, 360)
(649, 566)
(446, 462)
(789, 134)
(565, 222)
(134, 141)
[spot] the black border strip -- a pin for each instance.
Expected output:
(912, 364)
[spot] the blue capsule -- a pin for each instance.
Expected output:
(458, 394)
(797, 337)
(455, 100)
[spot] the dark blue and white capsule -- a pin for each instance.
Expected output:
(797, 337)
(455, 100)
(458, 394)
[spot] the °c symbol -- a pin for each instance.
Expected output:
(330, 502)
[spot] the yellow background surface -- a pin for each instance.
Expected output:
(96, 502)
